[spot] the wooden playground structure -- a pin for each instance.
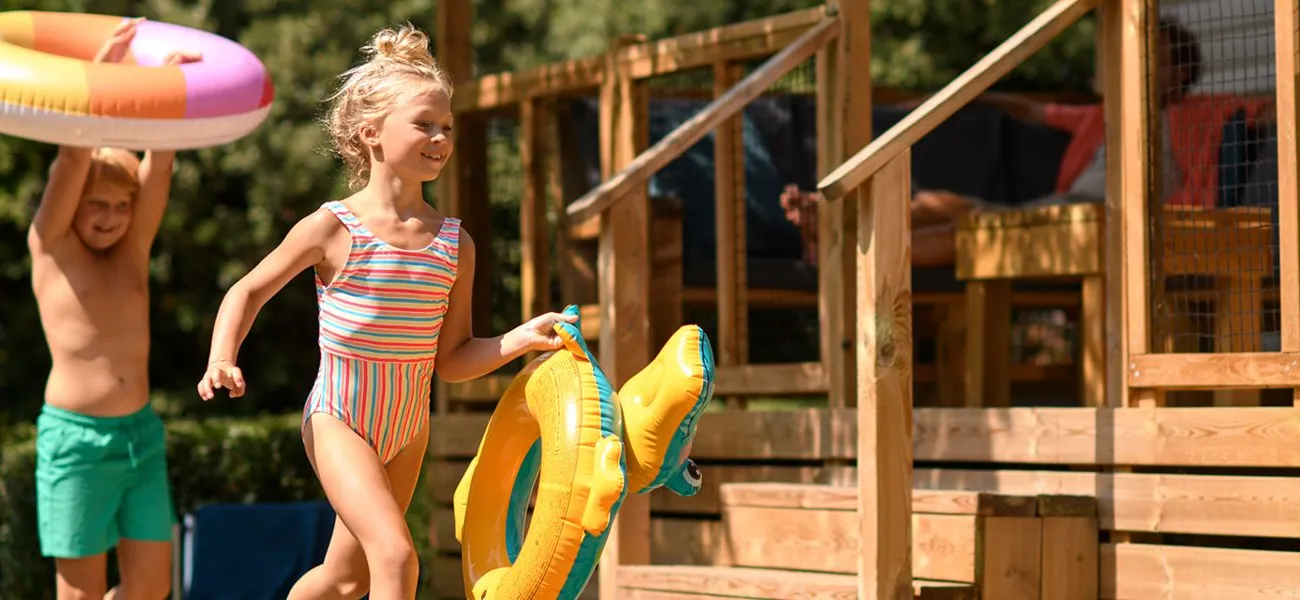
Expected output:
(1172, 475)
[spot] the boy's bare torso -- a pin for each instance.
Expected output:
(95, 311)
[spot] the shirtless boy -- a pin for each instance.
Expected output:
(101, 471)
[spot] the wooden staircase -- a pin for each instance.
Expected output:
(800, 541)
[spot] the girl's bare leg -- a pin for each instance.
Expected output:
(371, 550)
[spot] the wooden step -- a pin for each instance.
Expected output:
(1002, 544)
(682, 583)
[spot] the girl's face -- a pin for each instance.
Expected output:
(414, 141)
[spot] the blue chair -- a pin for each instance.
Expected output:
(252, 551)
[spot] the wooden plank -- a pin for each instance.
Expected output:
(1146, 572)
(826, 497)
(1241, 370)
(773, 379)
(966, 87)
(503, 90)
(672, 540)
(764, 584)
(1175, 437)
(638, 171)
(446, 476)
(1071, 553)
(729, 43)
(884, 368)
(1066, 239)
(1202, 437)
(1151, 502)
(1001, 555)
(743, 435)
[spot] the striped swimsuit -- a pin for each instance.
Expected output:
(379, 324)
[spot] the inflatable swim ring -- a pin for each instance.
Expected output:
(50, 92)
(560, 419)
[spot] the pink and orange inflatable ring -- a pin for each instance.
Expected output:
(51, 92)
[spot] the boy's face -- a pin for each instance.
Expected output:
(103, 216)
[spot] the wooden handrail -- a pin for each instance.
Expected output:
(687, 134)
(994, 66)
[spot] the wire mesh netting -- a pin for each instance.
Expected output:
(1213, 178)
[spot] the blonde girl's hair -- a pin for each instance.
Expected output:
(371, 90)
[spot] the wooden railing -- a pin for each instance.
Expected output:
(674, 144)
(994, 66)
(884, 302)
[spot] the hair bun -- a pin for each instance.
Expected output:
(405, 44)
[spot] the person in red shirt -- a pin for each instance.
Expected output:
(1191, 129)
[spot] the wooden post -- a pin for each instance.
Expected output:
(729, 200)
(624, 280)
(1110, 32)
(535, 275)
(1288, 71)
(884, 282)
(844, 125)
(461, 181)
(462, 189)
(1135, 116)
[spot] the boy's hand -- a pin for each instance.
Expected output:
(221, 374)
(114, 50)
(180, 57)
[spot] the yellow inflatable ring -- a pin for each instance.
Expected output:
(50, 92)
(561, 419)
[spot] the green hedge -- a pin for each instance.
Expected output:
(223, 460)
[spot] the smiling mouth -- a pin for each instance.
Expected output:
(431, 156)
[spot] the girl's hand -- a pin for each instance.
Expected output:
(119, 42)
(221, 374)
(539, 333)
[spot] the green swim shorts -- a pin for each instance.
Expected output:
(100, 479)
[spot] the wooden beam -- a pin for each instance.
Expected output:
(504, 90)
(995, 65)
(638, 171)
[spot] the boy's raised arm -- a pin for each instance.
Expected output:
(155, 181)
(151, 203)
(58, 206)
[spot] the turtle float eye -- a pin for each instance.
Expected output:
(692, 472)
